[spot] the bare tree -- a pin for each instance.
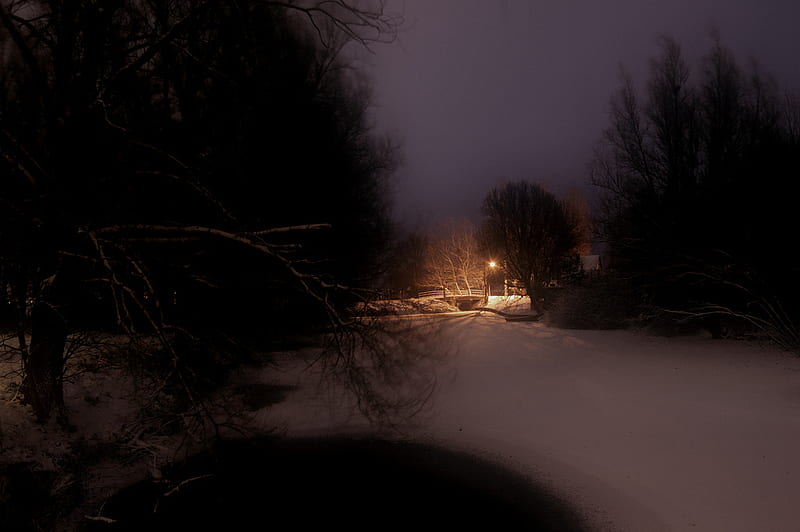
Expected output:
(452, 259)
(138, 164)
(529, 228)
(405, 264)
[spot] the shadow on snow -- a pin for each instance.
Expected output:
(347, 483)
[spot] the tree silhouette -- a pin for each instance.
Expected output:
(695, 178)
(405, 264)
(188, 171)
(528, 227)
(579, 214)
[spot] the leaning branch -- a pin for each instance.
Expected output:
(319, 292)
(291, 228)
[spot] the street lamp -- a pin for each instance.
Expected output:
(487, 291)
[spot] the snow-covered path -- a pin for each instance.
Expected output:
(642, 433)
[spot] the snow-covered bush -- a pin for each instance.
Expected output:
(408, 306)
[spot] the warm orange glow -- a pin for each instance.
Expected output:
(492, 264)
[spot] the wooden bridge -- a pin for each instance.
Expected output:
(462, 298)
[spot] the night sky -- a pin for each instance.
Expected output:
(483, 91)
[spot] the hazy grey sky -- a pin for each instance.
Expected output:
(482, 91)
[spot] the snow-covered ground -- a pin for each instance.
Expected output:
(640, 432)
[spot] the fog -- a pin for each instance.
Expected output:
(480, 92)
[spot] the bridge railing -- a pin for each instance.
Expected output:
(446, 293)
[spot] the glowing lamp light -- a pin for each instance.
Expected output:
(486, 288)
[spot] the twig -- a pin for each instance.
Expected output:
(100, 518)
(177, 488)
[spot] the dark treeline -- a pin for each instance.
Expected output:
(699, 174)
(196, 172)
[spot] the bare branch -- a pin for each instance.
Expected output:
(291, 228)
(183, 483)
(364, 25)
(156, 46)
(100, 518)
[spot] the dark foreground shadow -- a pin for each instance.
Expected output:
(332, 484)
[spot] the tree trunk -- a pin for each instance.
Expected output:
(533, 294)
(44, 365)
